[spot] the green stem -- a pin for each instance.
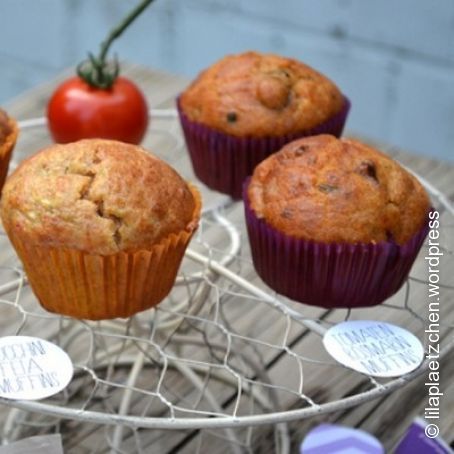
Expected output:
(96, 71)
(121, 27)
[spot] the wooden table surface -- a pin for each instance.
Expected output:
(387, 417)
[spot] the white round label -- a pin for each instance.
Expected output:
(32, 368)
(374, 348)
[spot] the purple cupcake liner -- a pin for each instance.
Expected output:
(329, 275)
(223, 161)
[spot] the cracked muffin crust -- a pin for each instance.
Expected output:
(257, 95)
(5, 126)
(97, 196)
(337, 190)
(8, 137)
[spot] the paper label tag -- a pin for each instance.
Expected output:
(32, 368)
(374, 348)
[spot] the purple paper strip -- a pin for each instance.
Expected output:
(416, 441)
(330, 438)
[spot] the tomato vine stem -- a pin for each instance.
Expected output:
(97, 71)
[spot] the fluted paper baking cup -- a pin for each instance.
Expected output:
(6, 149)
(95, 287)
(223, 161)
(329, 275)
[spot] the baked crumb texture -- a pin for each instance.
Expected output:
(337, 190)
(8, 137)
(5, 127)
(257, 95)
(97, 196)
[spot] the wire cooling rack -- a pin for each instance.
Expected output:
(220, 356)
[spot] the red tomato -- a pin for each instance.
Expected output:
(77, 110)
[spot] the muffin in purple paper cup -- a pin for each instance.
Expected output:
(247, 106)
(334, 223)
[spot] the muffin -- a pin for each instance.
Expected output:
(100, 226)
(333, 222)
(247, 106)
(8, 137)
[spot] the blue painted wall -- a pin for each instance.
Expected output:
(395, 59)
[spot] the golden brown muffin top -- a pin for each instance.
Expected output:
(337, 190)
(99, 196)
(253, 94)
(5, 126)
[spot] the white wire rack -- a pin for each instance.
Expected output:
(220, 356)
